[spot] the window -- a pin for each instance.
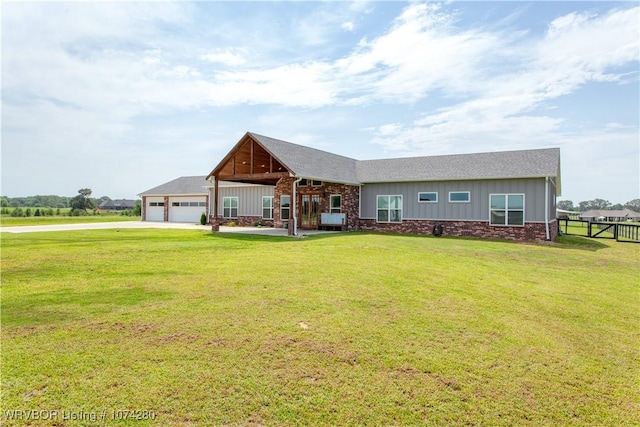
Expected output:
(335, 203)
(459, 197)
(389, 208)
(156, 203)
(230, 207)
(506, 209)
(201, 204)
(267, 207)
(315, 183)
(303, 182)
(285, 206)
(175, 203)
(184, 204)
(428, 197)
(192, 204)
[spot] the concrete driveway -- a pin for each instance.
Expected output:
(150, 224)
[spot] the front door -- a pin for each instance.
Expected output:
(309, 206)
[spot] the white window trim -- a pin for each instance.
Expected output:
(389, 208)
(270, 209)
(460, 201)
(339, 207)
(506, 209)
(288, 208)
(237, 208)
(428, 201)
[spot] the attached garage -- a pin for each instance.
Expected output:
(154, 208)
(183, 199)
(187, 209)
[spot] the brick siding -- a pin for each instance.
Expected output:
(530, 231)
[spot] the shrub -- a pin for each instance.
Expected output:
(230, 224)
(203, 219)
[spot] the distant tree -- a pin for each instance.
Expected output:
(634, 205)
(617, 206)
(17, 212)
(27, 212)
(566, 205)
(137, 210)
(37, 213)
(4, 202)
(80, 203)
(58, 211)
(594, 204)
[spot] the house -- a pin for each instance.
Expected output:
(610, 215)
(186, 198)
(116, 205)
(509, 194)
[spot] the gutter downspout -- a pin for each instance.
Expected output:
(546, 207)
(294, 206)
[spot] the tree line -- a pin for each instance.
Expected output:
(81, 204)
(598, 204)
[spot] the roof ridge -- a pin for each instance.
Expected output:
(300, 145)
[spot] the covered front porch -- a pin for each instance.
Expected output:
(303, 199)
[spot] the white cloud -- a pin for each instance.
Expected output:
(229, 57)
(85, 75)
(347, 26)
(502, 107)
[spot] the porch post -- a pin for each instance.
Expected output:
(292, 211)
(215, 226)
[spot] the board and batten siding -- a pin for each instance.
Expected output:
(476, 210)
(249, 198)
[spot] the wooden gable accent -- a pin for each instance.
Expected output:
(250, 162)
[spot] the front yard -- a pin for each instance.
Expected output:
(341, 329)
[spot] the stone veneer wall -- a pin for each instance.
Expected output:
(530, 231)
(350, 199)
(241, 221)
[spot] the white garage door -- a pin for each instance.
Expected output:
(186, 209)
(155, 209)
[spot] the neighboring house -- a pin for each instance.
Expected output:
(610, 215)
(185, 199)
(508, 194)
(116, 205)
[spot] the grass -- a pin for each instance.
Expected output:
(346, 329)
(8, 221)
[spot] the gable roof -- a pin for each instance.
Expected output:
(188, 186)
(192, 185)
(496, 165)
(118, 203)
(610, 213)
(311, 163)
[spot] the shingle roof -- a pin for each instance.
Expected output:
(317, 164)
(187, 185)
(182, 185)
(595, 213)
(497, 165)
(122, 203)
(309, 162)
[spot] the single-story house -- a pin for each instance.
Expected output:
(116, 205)
(186, 198)
(610, 215)
(510, 194)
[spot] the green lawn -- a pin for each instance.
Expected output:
(344, 329)
(8, 221)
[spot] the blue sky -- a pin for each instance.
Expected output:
(121, 97)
